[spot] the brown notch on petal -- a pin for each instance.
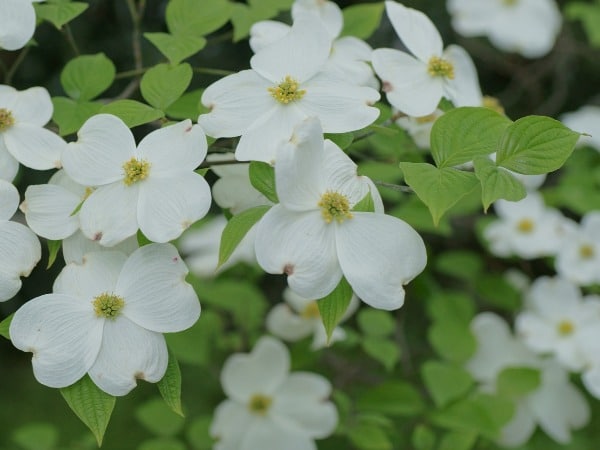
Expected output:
(288, 269)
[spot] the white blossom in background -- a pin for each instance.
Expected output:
(526, 228)
(152, 187)
(528, 27)
(23, 115)
(20, 249)
(287, 83)
(17, 23)
(75, 247)
(578, 258)
(554, 319)
(585, 120)
(106, 317)
(268, 407)
(299, 317)
(314, 236)
(415, 82)
(329, 13)
(556, 405)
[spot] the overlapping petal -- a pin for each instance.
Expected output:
(49, 210)
(33, 106)
(9, 200)
(34, 147)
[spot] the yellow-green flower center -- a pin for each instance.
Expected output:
(259, 404)
(492, 103)
(108, 305)
(586, 251)
(287, 91)
(426, 119)
(334, 206)
(135, 170)
(510, 2)
(525, 225)
(6, 119)
(439, 67)
(311, 311)
(565, 327)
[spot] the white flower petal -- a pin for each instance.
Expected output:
(266, 32)
(273, 434)
(378, 255)
(98, 274)
(536, 333)
(9, 166)
(64, 335)
(261, 372)
(17, 23)
(302, 245)
(300, 54)
(109, 215)
(287, 325)
(128, 353)
(20, 251)
(48, 210)
(235, 102)
(519, 429)
(328, 12)
(157, 297)
(104, 144)
(230, 423)
(77, 245)
(34, 147)
(174, 148)
(416, 31)
(9, 200)
(33, 106)
(168, 206)
(464, 89)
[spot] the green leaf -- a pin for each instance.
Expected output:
(196, 344)
(423, 438)
(59, 13)
(451, 306)
(365, 204)
(362, 20)
(463, 133)
(4, 327)
(197, 18)
(198, 433)
(92, 405)
(170, 385)
(342, 140)
(462, 264)
(141, 238)
(36, 436)
(394, 398)
(87, 76)
(496, 183)
(262, 178)
(458, 440)
(70, 115)
(445, 382)
(162, 444)
(163, 84)
(535, 145)
(53, 248)
(333, 306)
(439, 189)
(366, 436)
(517, 381)
(176, 47)
(187, 106)
(382, 350)
(157, 418)
(236, 229)
(373, 322)
(132, 112)
(589, 14)
(498, 292)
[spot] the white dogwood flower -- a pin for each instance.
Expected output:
(152, 187)
(17, 23)
(555, 405)
(528, 27)
(329, 13)
(299, 317)
(105, 318)
(20, 249)
(269, 407)
(23, 115)
(287, 83)
(585, 120)
(314, 236)
(415, 83)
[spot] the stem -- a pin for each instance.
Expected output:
(11, 72)
(131, 73)
(70, 39)
(209, 71)
(207, 164)
(136, 43)
(394, 187)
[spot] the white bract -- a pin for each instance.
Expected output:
(105, 318)
(526, 228)
(528, 27)
(17, 23)
(23, 115)
(152, 187)
(314, 236)
(288, 82)
(299, 317)
(20, 249)
(269, 407)
(415, 83)
(555, 405)
(578, 258)
(585, 120)
(329, 13)
(555, 319)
